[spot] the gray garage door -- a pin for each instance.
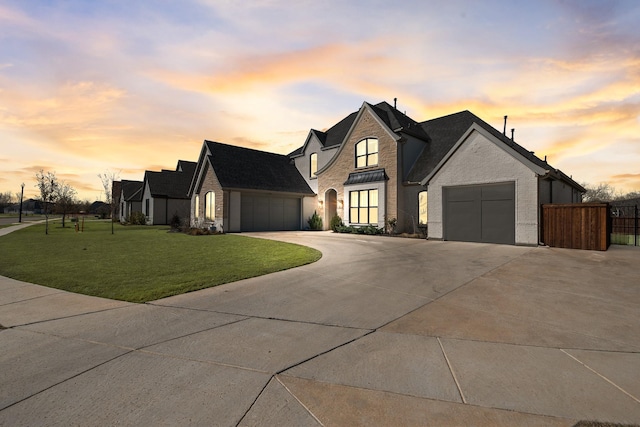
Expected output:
(480, 213)
(269, 213)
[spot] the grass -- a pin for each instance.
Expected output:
(140, 263)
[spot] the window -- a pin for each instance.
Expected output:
(363, 207)
(367, 153)
(210, 206)
(422, 207)
(197, 207)
(146, 207)
(313, 164)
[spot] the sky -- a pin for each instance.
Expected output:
(119, 87)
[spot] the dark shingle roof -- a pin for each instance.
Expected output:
(171, 184)
(366, 176)
(132, 190)
(397, 121)
(444, 132)
(244, 168)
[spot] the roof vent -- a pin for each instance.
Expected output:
(395, 103)
(504, 132)
(512, 132)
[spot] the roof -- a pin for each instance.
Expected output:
(171, 184)
(131, 190)
(245, 168)
(444, 132)
(366, 176)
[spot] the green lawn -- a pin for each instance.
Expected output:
(139, 263)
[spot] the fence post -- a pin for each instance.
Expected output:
(635, 226)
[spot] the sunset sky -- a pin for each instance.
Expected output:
(126, 86)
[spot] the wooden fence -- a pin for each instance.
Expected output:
(577, 226)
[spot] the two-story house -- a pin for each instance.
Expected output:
(455, 174)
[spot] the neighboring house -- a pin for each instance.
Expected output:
(100, 208)
(456, 175)
(240, 189)
(130, 198)
(29, 207)
(164, 194)
(116, 191)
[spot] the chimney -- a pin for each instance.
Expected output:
(504, 132)
(395, 103)
(512, 132)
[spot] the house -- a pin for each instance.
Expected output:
(165, 193)
(100, 208)
(130, 198)
(240, 189)
(29, 207)
(456, 175)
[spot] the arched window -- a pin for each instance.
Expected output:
(313, 164)
(422, 207)
(210, 206)
(367, 152)
(197, 207)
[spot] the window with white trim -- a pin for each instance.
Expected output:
(197, 207)
(363, 207)
(367, 152)
(210, 206)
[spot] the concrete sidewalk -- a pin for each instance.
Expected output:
(380, 331)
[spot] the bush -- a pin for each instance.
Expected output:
(137, 218)
(315, 222)
(175, 222)
(336, 222)
(367, 229)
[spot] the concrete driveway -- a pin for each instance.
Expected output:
(380, 331)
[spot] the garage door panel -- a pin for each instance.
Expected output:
(480, 213)
(269, 213)
(464, 215)
(497, 221)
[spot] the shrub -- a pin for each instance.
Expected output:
(336, 222)
(315, 222)
(137, 218)
(367, 229)
(175, 222)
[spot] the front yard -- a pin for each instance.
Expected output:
(139, 263)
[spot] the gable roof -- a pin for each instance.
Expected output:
(132, 190)
(245, 168)
(444, 132)
(171, 184)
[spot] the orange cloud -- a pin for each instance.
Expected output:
(246, 73)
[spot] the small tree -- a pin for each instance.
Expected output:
(107, 179)
(66, 199)
(315, 221)
(47, 183)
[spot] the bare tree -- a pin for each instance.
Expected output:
(6, 199)
(47, 183)
(107, 179)
(602, 192)
(66, 199)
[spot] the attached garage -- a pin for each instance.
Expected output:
(480, 213)
(260, 212)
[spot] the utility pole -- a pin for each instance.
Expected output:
(21, 197)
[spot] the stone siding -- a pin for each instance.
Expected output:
(344, 163)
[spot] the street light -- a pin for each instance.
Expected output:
(21, 197)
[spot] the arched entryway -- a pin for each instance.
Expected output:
(330, 206)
